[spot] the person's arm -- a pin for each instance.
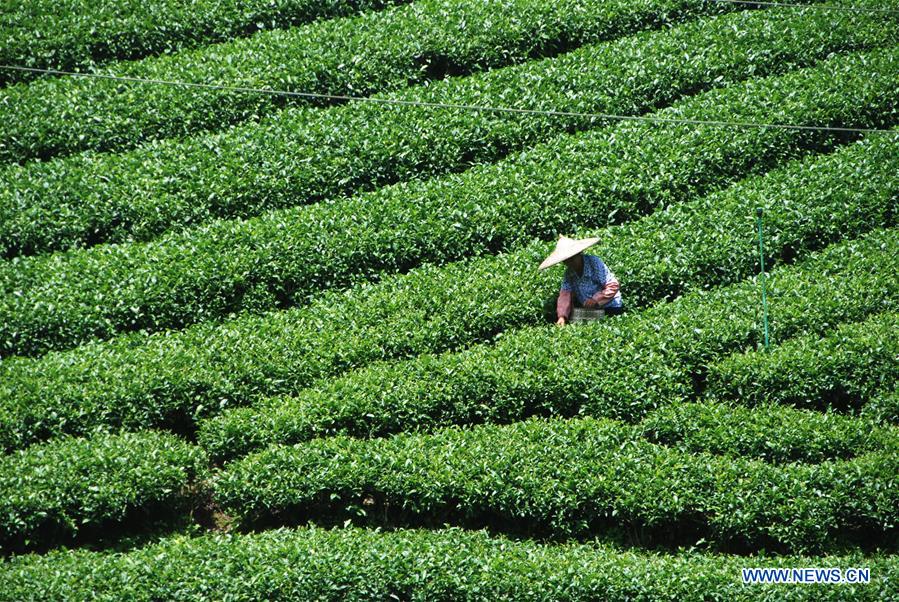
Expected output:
(605, 296)
(563, 306)
(564, 303)
(609, 288)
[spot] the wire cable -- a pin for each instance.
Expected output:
(465, 107)
(859, 9)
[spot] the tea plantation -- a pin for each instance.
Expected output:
(260, 346)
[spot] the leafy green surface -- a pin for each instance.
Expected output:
(768, 432)
(883, 407)
(304, 155)
(75, 34)
(844, 369)
(619, 368)
(150, 381)
(568, 477)
(590, 179)
(448, 564)
(373, 52)
(56, 491)
(657, 429)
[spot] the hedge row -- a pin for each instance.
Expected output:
(167, 379)
(563, 478)
(56, 492)
(64, 489)
(883, 407)
(767, 432)
(842, 370)
(416, 565)
(621, 368)
(305, 156)
(149, 381)
(282, 258)
(76, 35)
(374, 52)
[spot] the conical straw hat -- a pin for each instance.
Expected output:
(565, 248)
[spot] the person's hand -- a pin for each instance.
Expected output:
(561, 321)
(590, 303)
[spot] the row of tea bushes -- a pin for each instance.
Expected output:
(65, 489)
(421, 565)
(376, 51)
(146, 382)
(567, 478)
(767, 432)
(305, 155)
(842, 370)
(591, 179)
(47, 34)
(620, 368)
(58, 491)
(883, 407)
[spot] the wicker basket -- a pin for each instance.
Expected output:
(582, 314)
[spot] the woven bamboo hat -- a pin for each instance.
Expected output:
(565, 248)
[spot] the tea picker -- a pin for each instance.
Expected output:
(589, 289)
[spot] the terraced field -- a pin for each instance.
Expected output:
(260, 346)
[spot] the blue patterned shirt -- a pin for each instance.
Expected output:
(597, 282)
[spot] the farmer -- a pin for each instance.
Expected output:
(588, 285)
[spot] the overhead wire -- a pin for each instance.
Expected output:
(860, 9)
(456, 106)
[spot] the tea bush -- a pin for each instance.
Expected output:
(374, 52)
(303, 155)
(564, 478)
(841, 370)
(56, 491)
(592, 179)
(768, 432)
(621, 368)
(76, 35)
(169, 378)
(420, 565)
